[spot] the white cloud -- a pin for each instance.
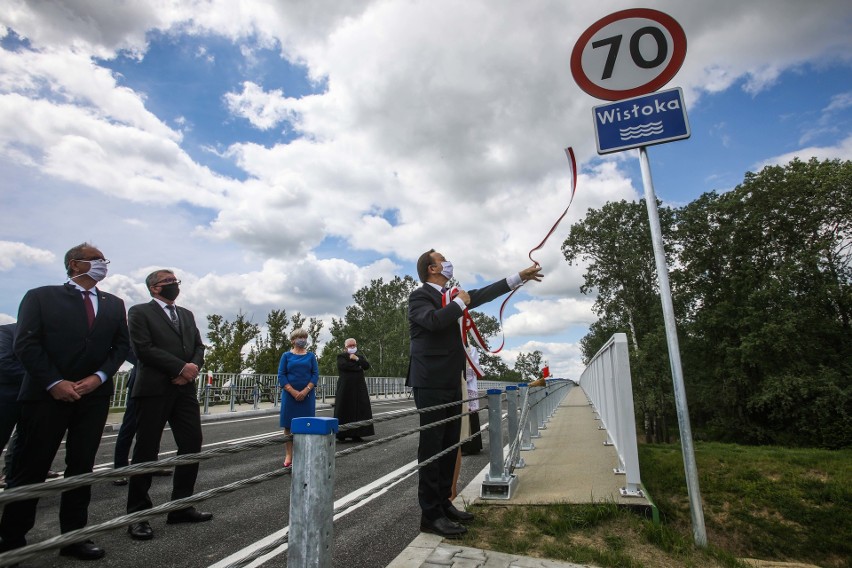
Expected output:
(841, 151)
(263, 109)
(14, 254)
(442, 126)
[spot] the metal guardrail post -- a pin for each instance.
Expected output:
(497, 484)
(512, 404)
(526, 427)
(534, 410)
(312, 492)
(542, 405)
(233, 390)
(207, 398)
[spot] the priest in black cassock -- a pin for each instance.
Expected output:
(351, 401)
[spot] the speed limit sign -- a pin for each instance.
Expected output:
(629, 53)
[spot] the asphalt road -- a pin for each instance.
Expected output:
(368, 536)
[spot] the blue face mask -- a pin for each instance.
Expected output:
(447, 269)
(301, 343)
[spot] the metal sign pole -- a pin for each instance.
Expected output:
(696, 509)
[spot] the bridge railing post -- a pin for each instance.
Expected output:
(512, 404)
(312, 492)
(526, 425)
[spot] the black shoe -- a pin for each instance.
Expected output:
(83, 551)
(442, 527)
(357, 439)
(120, 481)
(191, 515)
(140, 531)
(458, 516)
(162, 473)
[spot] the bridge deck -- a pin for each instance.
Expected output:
(570, 463)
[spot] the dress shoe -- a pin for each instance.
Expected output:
(458, 516)
(357, 439)
(120, 481)
(83, 551)
(140, 531)
(442, 527)
(53, 475)
(162, 473)
(191, 515)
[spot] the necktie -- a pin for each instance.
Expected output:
(90, 308)
(173, 315)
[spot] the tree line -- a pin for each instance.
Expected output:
(762, 288)
(378, 320)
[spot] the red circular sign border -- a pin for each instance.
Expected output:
(678, 54)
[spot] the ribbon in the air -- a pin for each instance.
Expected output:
(466, 324)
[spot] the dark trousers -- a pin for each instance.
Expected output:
(125, 435)
(178, 408)
(40, 431)
(436, 479)
(10, 412)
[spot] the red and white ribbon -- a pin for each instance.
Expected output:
(466, 324)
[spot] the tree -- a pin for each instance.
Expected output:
(265, 354)
(227, 339)
(529, 365)
(615, 241)
(379, 322)
(769, 281)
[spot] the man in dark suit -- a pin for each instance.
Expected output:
(11, 377)
(170, 353)
(435, 372)
(71, 340)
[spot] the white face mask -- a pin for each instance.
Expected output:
(447, 269)
(351, 349)
(97, 270)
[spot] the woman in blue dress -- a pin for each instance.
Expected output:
(298, 374)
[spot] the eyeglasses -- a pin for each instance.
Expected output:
(105, 261)
(167, 281)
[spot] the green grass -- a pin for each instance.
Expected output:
(759, 502)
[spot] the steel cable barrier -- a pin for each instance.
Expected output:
(534, 407)
(44, 489)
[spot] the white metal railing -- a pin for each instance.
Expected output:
(243, 388)
(607, 384)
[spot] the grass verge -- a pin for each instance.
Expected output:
(759, 502)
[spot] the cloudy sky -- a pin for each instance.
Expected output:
(281, 154)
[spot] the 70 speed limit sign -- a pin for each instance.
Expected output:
(628, 53)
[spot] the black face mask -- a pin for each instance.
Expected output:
(170, 291)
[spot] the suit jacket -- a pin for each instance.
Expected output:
(11, 371)
(437, 352)
(161, 350)
(53, 340)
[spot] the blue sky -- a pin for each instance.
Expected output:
(282, 155)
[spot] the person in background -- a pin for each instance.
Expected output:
(71, 340)
(298, 375)
(11, 377)
(169, 354)
(127, 430)
(469, 392)
(352, 401)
